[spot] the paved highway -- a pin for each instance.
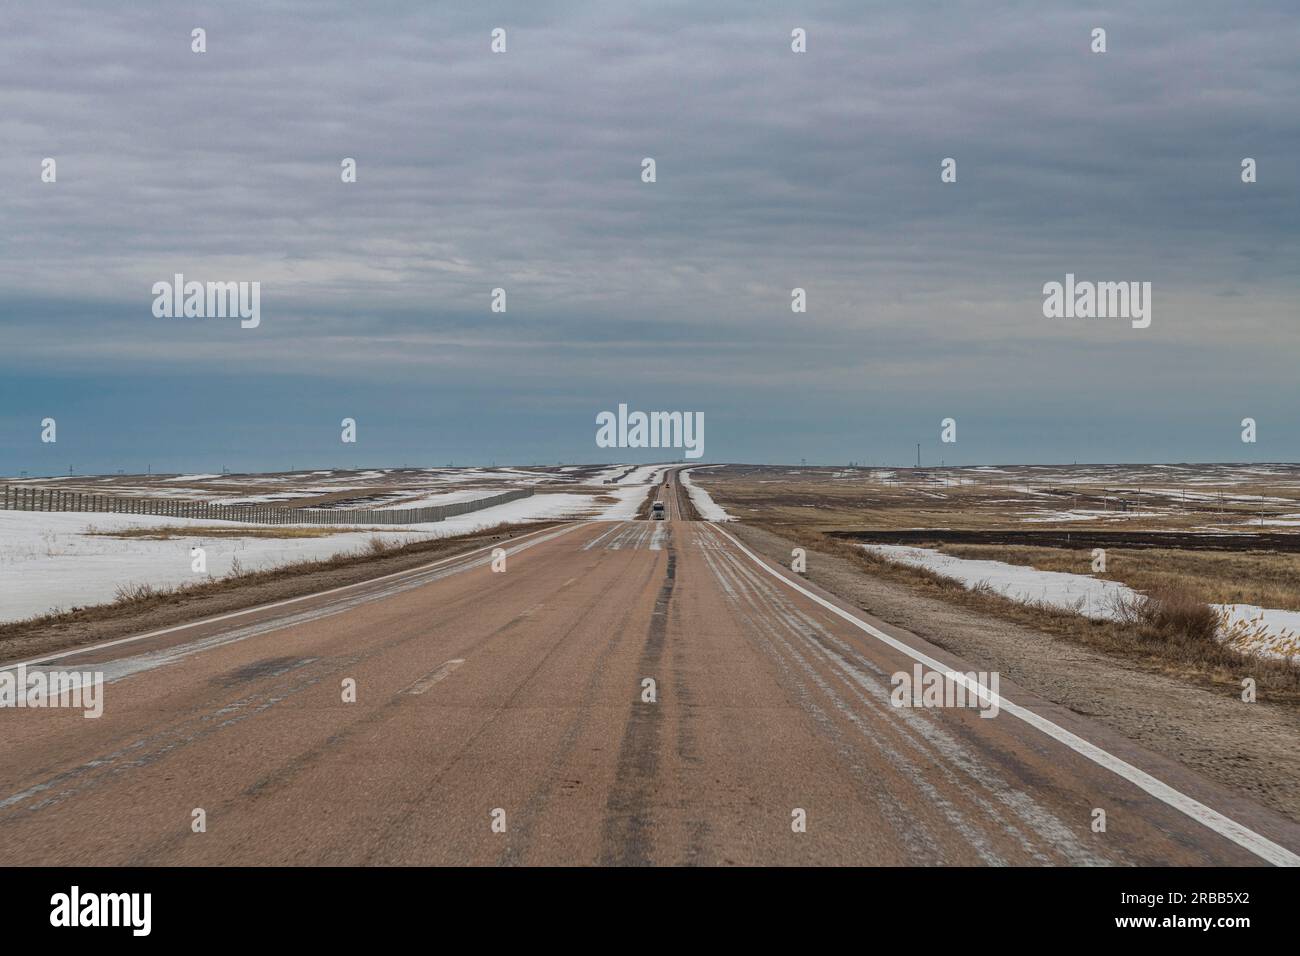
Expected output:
(503, 717)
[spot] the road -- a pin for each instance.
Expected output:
(502, 717)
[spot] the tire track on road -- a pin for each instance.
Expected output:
(626, 838)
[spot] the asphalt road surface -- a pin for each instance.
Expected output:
(504, 717)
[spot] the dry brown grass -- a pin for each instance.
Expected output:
(1169, 614)
(816, 499)
(137, 594)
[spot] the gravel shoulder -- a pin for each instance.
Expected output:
(1253, 749)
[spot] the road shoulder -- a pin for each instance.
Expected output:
(1252, 749)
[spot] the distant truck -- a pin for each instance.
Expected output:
(657, 511)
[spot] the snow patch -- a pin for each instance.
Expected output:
(1269, 632)
(709, 510)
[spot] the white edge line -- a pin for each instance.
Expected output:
(1226, 827)
(268, 607)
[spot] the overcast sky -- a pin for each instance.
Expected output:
(523, 171)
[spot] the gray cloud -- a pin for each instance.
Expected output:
(775, 171)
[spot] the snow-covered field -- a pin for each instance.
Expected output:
(440, 498)
(709, 509)
(55, 560)
(645, 475)
(348, 488)
(1267, 631)
(629, 500)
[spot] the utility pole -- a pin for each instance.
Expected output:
(918, 454)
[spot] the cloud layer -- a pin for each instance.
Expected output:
(522, 171)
